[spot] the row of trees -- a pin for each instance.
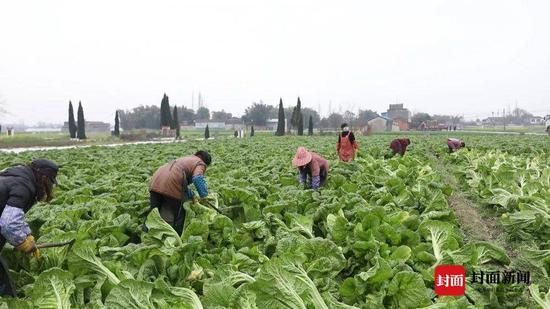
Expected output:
(418, 118)
(296, 119)
(77, 129)
(153, 117)
(516, 116)
(260, 113)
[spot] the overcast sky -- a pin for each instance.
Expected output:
(455, 57)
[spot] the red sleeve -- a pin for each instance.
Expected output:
(394, 146)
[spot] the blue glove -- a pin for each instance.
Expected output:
(200, 184)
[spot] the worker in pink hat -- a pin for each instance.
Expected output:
(311, 165)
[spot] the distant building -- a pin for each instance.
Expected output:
(398, 111)
(40, 130)
(432, 125)
(378, 124)
(401, 115)
(536, 120)
(493, 121)
(402, 124)
(234, 123)
(212, 125)
(271, 124)
(91, 127)
(381, 124)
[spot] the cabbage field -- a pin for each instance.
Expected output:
(371, 238)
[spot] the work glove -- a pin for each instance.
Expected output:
(204, 200)
(28, 246)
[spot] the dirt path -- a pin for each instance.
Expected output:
(46, 148)
(473, 225)
(471, 222)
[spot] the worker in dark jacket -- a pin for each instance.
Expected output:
(311, 165)
(455, 144)
(20, 188)
(398, 146)
(168, 187)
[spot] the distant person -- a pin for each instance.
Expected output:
(398, 146)
(313, 168)
(168, 187)
(455, 144)
(21, 187)
(347, 145)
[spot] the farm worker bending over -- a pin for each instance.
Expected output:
(311, 165)
(168, 187)
(455, 144)
(20, 188)
(398, 146)
(346, 146)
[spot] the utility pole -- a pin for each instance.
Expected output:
(504, 118)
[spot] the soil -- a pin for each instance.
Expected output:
(474, 226)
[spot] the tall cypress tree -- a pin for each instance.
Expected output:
(206, 133)
(300, 124)
(176, 122)
(162, 106)
(281, 121)
(296, 115)
(117, 125)
(165, 117)
(72, 125)
(81, 125)
(310, 126)
(251, 131)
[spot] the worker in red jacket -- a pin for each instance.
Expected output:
(347, 145)
(398, 146)
(455, 144)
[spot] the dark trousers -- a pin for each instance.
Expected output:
(170, 209)
(7, 287)
(323, 176)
